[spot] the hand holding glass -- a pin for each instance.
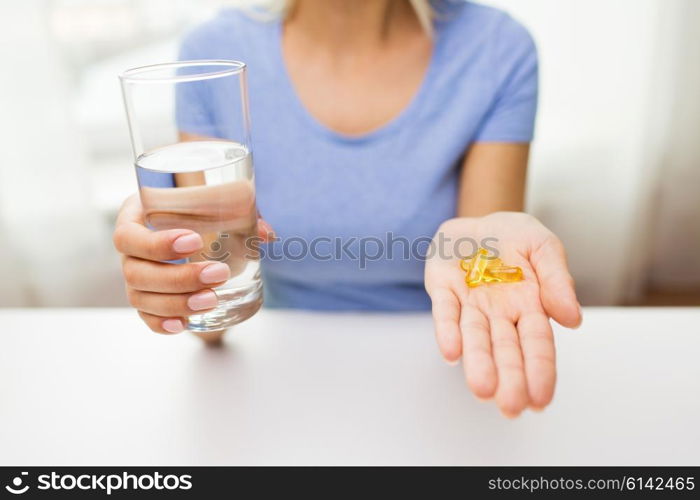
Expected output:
(194, 169)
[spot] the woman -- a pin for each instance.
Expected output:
(375, 118)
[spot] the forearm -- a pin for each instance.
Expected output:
(493, 179)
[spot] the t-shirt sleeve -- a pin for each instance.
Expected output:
(511, 118)
(193, 102)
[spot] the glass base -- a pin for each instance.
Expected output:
(235, 305)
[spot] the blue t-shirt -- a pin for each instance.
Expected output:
(337, 202)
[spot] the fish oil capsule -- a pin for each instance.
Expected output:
(487, 277)
(466, 264)
(494, 262)
(482, 269)
(505, 274)
(477, 268)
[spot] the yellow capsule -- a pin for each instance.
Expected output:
(479, 263)
(487, 278)
(507, 274)
(467, 264)
(471, 283)
(482, 269)
(495, 262)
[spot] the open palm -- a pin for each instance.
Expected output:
(501, 331)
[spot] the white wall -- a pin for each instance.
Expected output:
(51, 229)
(675, 243)
(607, 68)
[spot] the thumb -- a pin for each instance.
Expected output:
(265, 231)
(557, 291)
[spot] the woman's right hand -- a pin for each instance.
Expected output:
(165, 294)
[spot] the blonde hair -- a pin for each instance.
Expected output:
(424, 13)
(280, 8)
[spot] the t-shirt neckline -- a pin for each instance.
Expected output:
(322, 129)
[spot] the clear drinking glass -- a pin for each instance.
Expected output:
(190, 133)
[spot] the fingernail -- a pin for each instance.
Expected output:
(187, 243)
(202, 300)
(173, 325)
(267, 228)
(580, 316)
(510, 416)
(213, 273)
(452, 363)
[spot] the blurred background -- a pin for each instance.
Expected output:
(615, 167)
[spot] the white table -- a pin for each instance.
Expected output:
(94, 387)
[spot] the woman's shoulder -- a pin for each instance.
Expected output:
(230, 27)
(472, 22)
(483, 40)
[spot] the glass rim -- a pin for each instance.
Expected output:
(139, 73)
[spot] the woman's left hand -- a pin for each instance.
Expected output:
(501, 331)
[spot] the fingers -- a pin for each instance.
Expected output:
(163, 325)
(131, 237)
(136, 240)
(556, 284)
(537, 343)
(162, 292)
(162, 277)
(265, 231)
(477, 357)
(446, 318)
(172, 305)
(511, 394)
